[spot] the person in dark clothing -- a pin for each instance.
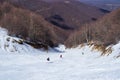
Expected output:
(61, 56)
(48, 59)
(82, 53)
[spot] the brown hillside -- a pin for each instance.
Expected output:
(67, 15)
(29, 26)
(105, 31)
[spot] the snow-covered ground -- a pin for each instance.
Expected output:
(73, 66)
(26, 63)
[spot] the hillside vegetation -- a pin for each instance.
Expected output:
(105, 31)
(29, 26)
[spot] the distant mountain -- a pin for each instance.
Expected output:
(105, 4)
(105, 31)
(66, 14)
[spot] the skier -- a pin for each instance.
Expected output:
(82, 53)
(60, 56)
(48, 59)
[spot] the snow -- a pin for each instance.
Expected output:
(12, 45)
(73, 66)
(81, 63)
(60, 48)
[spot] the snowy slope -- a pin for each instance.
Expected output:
(13, 44)
(81, 63)
(73, 66)
(10, 44)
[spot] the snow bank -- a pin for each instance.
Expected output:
(13, 44)
(60, 48)
(116, 51)
(16, 45)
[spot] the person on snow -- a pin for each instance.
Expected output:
(61, 56)
(48, 59)
(82, 53)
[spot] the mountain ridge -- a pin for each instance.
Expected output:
(73, 13)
